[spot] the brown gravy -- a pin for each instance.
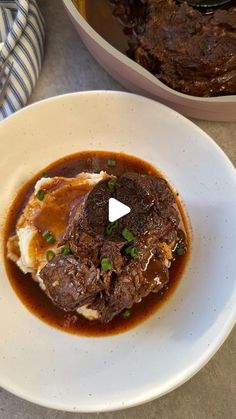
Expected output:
(99, 15)
(36, 300)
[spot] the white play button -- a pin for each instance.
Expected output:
(116, 210)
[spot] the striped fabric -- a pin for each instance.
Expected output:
(22, 34)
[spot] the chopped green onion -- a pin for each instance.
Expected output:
(127, 235)
(132, 251)
(66, 250)
(50, 255)
(112, 183)
(111, 227)
(106, 264)
(40, 194)
(45, 175)
(111, 162)
(180, 249)
(126, 314)
(48, 237)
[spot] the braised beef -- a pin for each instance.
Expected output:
(132, 284)
(96, 203)
(191, 52)
(133, 190)
(112, 250)
(70, 283)
(151, 202)
(87, 225)
(75, 280)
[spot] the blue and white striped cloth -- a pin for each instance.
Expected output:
(22, 36)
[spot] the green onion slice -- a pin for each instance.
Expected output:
(180, 249)
(48, 236)
(126, 233)
(50, 255)
(66, 250)
(40, 194)
(111, 162)
(112, 184)
(111, 227)
(126, 314)
(132, 251)
(45, 175)
(106, 264)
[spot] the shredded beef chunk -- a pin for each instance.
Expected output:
(191, 52)
(69, 283)
(151, 202)
(131, 286)
(136, 263)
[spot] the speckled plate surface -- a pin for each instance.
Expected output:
(59, 370)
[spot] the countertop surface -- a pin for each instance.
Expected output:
(69, 67)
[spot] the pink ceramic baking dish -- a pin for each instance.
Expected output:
(136, 79)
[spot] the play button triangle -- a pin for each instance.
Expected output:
(116, 210)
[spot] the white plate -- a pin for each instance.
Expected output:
(59, 370)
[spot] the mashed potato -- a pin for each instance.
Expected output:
(28, 248)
